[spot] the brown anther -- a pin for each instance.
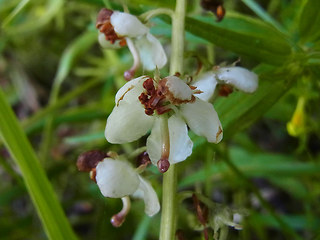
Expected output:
(219, 132)
(163, 164)
(197, 92)
(192, 87)
(103, 17)
(89, 160)
(149, 86)
(93, 174)
(143, 159)
(177, 74)
(117, 220)
(225, 90)
(149, 111)
(123, 42)
(152, 98)
(104, 25)
(143, 98)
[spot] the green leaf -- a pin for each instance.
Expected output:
(257, 9)
(37, 120)
(50, 212)
(243, 35)
(310, 21)
(253, 165)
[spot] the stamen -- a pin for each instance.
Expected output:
(120, 217)
(93, 174)
(129, 74)
(104, 25)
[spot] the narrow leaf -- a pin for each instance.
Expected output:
(243, 35)
(310, 21)
(45, 201)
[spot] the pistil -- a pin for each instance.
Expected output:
(163, 164)
(129, 74)
(120, 217)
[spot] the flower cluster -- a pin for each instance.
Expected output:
(118, 179)
(167, 107)
(118, 29)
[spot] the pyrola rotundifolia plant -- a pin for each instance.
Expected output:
(164, 109)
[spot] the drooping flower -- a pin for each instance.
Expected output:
(166, 106)
(118, 29)
(237, 77)
(118, 179)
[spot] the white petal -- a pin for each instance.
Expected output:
(238, 77)
(127, 123)
(203, 120)
(147, 193)
(116, 178)
(180, 143)
(206, 83)
(106, 44)
(125, 24)
(131, 90)
(154, 142)
(178, 88)
(151, 52)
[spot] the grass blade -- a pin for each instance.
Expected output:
(45, 201)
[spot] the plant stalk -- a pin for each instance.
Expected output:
(169, 189)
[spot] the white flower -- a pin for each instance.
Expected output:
(117, 179)
(237, 77)
(140, 106)
(121, 28)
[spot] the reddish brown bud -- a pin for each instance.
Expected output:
(89, 160)
(163, 165)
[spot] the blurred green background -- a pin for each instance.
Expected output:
(61, 86)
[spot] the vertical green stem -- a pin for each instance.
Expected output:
(177, 42)
(169, 201)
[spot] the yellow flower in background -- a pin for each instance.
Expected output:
(296, 126)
